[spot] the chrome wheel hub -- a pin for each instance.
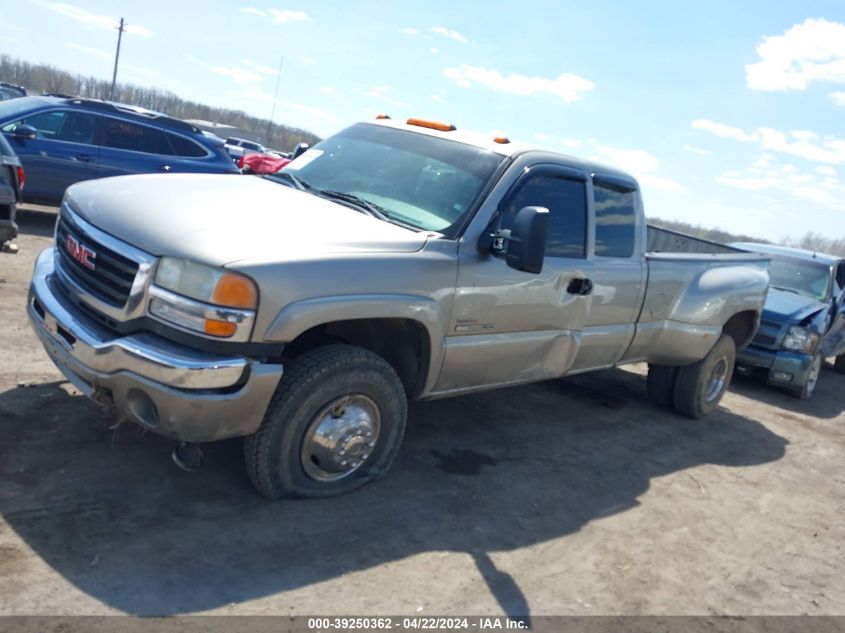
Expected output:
(340, 438)
(717, 379)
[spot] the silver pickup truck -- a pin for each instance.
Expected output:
(391, 261)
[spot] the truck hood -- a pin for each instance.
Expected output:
(220, 219)
(787, 307)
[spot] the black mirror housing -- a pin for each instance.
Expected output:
(526, 244)
(24, 131)
(300, 149)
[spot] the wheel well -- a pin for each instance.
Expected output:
(741, 327)
(403, 343)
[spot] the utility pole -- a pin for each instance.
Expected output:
(275, 96)
(120, 30)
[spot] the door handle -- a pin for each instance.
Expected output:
(580, 286)
(164, 168)
(83, 158)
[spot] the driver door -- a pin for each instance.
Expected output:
(509, 326)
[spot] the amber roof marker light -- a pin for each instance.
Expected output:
(379, 117)
(502, 140)
(432, 125)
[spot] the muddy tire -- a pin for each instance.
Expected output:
(699, 387)
(660, 384)
(839, 364)
(334, 424)
(805, 391)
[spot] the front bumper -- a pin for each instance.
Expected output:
(173, 390)
(784, 368)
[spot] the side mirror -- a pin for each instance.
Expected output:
(525, 242)
(300, 149)
(24, 131)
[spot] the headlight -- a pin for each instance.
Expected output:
(205, 283)
(203, 299)
(799, 339)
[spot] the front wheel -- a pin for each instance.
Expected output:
(699, 387)
(839, 365)
(806, 390)
(335, 423)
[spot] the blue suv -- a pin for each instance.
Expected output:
(62, 140)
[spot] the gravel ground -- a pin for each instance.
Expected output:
(566, 497)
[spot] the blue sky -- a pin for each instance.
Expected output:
(730, 113)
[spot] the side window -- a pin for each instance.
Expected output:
(47, 123)
(615, 220)
(137, 138)
(185, 147)
(77, 127)
(566, 201)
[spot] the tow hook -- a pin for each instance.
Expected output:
(188, 456)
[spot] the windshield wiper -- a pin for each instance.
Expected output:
(364, 205)
(792, 290)
(297, 182)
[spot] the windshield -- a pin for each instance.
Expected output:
(801, 277)
(414, 179)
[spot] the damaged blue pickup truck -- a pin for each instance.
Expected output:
(803, 320)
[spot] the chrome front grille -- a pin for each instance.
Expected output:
(111, 278)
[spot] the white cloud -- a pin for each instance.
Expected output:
(6, 25)
(811, 51)
(642, 164)
(409, 31)
(380, 93)
(329, 90)
(720, 129)
(450, 33)
(91, 51)
(804, 144)
(434, 51)
(697, 150)
(260, 68)
(283, 16)
(278, 16)
(238, 75)
(435, 98)
(308, 60)
(567, 86)
(826, 171)
(805, 187)
(93, 20)
(838, 98)
(571, 142)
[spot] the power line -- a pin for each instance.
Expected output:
(275, 96)
(120, 30)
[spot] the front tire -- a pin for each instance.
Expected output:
(334, 424)
(839, 364)
(699, 387)
(805, 391)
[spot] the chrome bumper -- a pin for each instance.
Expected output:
(173, 390)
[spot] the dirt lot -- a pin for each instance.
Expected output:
(567, 497)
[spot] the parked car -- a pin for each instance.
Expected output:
(12, 178)
(11, 91)
(399, 260)
(62, 141)
(803, 320)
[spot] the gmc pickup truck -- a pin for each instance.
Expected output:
(391, 261)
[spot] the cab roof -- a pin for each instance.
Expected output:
(510, 149)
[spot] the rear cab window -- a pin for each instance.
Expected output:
(616, 217)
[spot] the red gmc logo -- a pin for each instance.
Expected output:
(80, 252)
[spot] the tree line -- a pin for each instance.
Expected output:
(41, 78)
(811, 241)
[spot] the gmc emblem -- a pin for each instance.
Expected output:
(80, 252)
